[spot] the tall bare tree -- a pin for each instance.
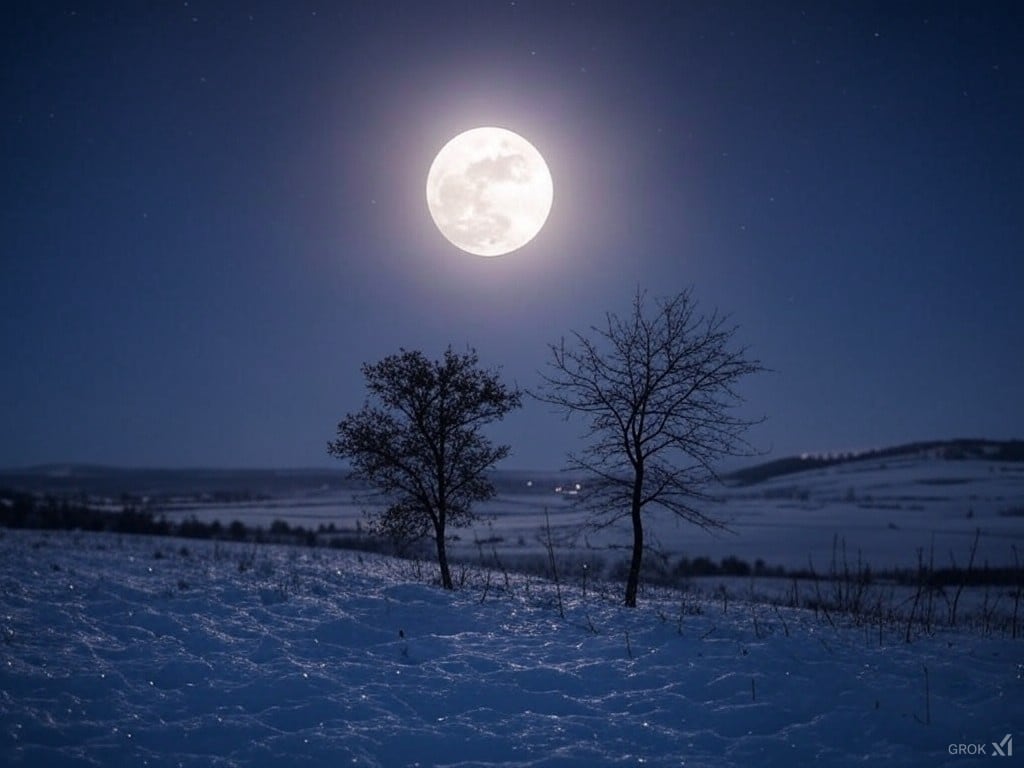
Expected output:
(658, 388)
(419, 442)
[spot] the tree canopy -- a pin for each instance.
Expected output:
(418, 441)
(657, 388)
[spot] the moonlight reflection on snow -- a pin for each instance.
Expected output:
(122, 650)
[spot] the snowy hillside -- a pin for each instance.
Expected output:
(884, 507)
(142, 651)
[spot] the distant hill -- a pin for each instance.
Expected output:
(225, 484)
(959, 449)
(234, 485)
(134, 485)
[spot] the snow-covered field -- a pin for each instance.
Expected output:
(125, 651)
(883, 510)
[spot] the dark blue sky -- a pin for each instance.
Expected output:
(213, 212)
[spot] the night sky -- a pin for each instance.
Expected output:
(213, 212)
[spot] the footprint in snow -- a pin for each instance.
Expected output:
(405, 647)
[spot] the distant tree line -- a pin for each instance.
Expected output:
(49, 513)
(731, 566)
(20, 510)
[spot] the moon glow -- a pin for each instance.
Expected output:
(489, 191)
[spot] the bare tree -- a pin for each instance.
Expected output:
(659, 390)
(419, 443)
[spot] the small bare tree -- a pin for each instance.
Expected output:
(658, 389)
(420, 443)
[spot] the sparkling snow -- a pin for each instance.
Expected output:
(130, 651)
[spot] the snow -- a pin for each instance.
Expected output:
(125, 651)
(883, 509)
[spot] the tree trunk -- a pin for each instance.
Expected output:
(633, 581)
(442, 559)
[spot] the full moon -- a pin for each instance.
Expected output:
(489, 191)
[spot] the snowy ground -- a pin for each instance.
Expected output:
(884, 510)
(132, 651)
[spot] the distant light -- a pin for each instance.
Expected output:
(577, 486)
(529, 483)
